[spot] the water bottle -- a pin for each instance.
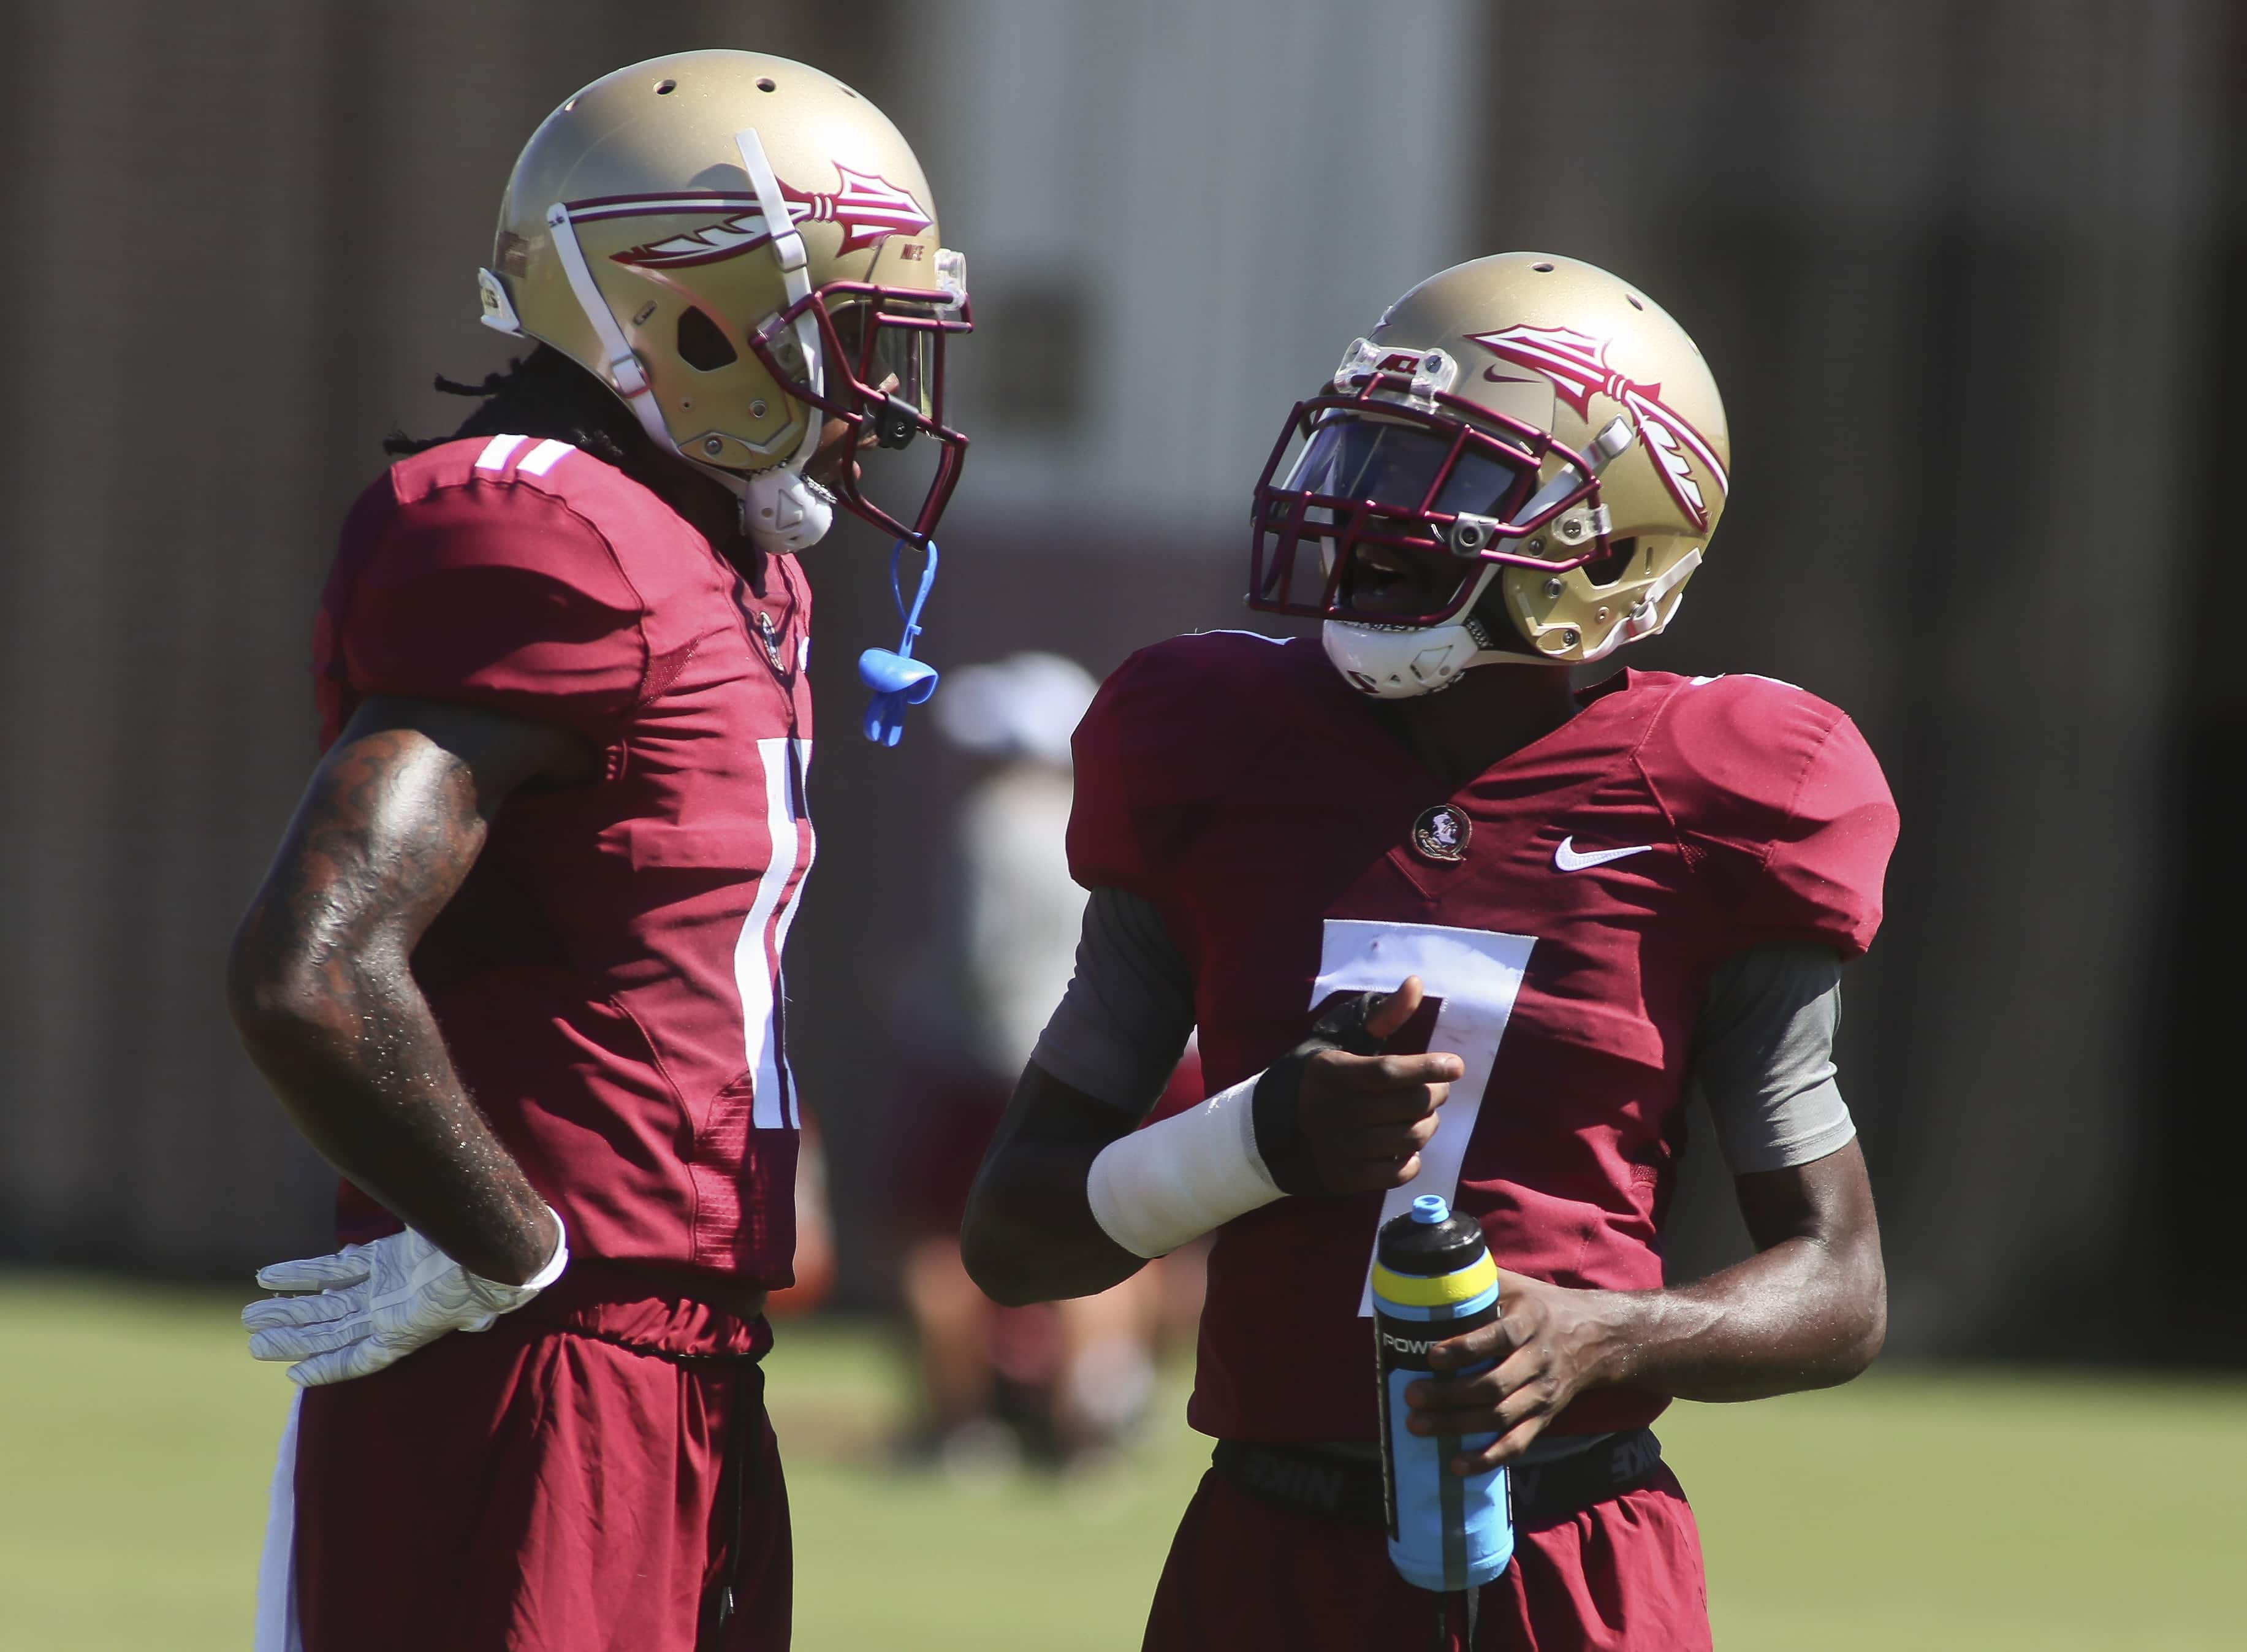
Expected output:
(1433, 1280)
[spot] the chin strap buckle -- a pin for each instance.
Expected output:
(1644, 618)
(1615, 435)
(498, 308)
(897, 679)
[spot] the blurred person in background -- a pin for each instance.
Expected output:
(1407, 867)
(515, 969)
(813, 1267)
(1066, 1380)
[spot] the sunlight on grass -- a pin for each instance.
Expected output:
(1931, 1508)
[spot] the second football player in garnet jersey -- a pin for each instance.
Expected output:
(1565, 931)
(1447, 925)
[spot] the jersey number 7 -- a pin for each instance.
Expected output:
(1476, 973)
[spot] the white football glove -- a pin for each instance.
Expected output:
(376, 1303)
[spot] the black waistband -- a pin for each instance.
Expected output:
(1326, 1484)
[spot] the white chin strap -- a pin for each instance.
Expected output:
(783, 510)
(1403, 662)
(620, 367)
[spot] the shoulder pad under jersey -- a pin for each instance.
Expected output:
(524, 576)
(1158, 744)
(1782, 804)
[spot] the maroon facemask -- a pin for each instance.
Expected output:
(870, 336)
(1419, 474)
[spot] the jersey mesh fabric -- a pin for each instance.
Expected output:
(1265, 811)
(606, 980)
(1763, 1052)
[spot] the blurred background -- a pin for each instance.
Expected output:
(1968, 271)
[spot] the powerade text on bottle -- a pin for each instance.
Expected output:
(1433, 1280)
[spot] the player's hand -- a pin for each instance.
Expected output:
(1341, 1117)
(1550, 1343)
(371, 1305)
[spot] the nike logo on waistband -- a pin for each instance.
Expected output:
(1566, 858)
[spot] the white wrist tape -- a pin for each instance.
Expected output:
(1155, 1189)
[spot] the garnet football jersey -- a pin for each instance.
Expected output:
(608, 977)
(1565, 911)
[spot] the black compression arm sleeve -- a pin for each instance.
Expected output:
(1122, 1026)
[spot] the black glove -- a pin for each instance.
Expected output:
(1280, 1142)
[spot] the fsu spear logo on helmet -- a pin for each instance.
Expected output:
(1577, 365)
(867, 208)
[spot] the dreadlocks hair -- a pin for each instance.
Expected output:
(548, 396)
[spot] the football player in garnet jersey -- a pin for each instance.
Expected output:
(1447, 925)
(515, 969)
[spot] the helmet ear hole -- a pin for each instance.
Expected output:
(702, 345)
(1605, 570)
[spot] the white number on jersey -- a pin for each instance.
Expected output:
(1477, 972)
(757, 955)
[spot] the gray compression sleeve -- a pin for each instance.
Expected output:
(1124, 1021)
(1763, 1052)
(1763, 1056)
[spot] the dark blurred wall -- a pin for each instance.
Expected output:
(1959, 268)
(1963, 270)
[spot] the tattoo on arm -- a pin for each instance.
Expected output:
(321, 985)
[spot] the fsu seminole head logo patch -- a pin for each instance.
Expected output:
(1441, 835)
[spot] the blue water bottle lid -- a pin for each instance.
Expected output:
(1430, 1209)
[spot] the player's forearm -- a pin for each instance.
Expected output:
(1029, 1234)
(1802, 1315)
(360, 1068)
(1808, 1310)
(324, 999)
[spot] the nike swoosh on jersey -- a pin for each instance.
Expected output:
(1566, 858)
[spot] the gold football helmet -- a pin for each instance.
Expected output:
(743, 249)
(1523, 463)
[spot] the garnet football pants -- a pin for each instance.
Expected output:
(538, 1489)
(1247, 1576)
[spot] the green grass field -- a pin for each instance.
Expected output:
(1921, 1508)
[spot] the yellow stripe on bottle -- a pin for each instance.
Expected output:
(1415, 1290)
